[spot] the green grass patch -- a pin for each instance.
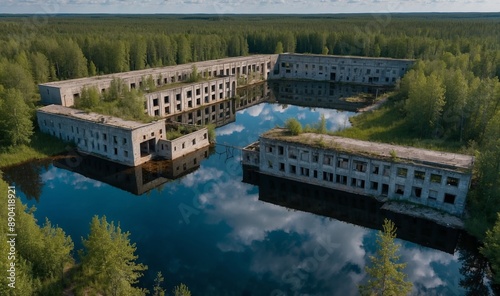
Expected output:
(387, 125)
(41, 146)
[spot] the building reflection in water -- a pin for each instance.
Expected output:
(356, 209)
(137, 180)
(349, 97)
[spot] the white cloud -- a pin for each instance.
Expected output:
(201, 176)
(229, 129)
(54, 175)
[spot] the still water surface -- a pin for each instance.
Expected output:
(213, 232)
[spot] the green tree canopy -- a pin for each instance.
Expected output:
(386, 276)
(108, 262)
(425, 102)
(294, 126)
(16, 127)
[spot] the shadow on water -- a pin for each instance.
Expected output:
(26, 177)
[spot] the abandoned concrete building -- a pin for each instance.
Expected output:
(249, 68)
(345, 69)
(436, 179)
(191, 96)
(127, 142)
(224, 112)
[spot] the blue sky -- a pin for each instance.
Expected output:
(245, 6)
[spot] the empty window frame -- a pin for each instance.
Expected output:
(449, 198)
(419, 175)
(402, 172)
(399, 189)
(416, 192)
(342, 162)
(435, 178)
(452, 181)
(341, 179)
(360, 166)
(328, 159)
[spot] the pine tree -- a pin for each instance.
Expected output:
(386, 274)
(181, 290)
(108, 261)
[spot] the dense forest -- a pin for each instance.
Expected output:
(451, 94)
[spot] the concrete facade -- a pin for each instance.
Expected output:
(127, 142)
(249, 69)
(194, 139)
(189, 97)
(435, 179)
(345, 69)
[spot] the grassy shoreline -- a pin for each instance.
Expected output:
(41, 146)
(387, 125)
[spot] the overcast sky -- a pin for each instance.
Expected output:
(245, 6)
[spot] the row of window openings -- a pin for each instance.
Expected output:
(184, 77)
(361, 166)
(190, 103)
(193, 142)
(104, 135)
(360, 183)
(104, 147)
(320, 68)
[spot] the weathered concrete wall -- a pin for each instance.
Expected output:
(250, 69)
(346, 69)
(103, 136)
(189, 97)
(431, 185)
(181, 146)
(251, 155)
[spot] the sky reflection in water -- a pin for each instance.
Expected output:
(210, 231)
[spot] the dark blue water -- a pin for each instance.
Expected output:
(210, 231)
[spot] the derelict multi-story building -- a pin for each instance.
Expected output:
(123, 141)
(436, 179)
(249, 69)
(189, 97)
(344, 69)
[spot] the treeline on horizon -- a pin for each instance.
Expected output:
(64, 47)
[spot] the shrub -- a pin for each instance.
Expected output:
(294, 126)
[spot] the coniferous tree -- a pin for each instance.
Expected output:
(386, 276)
(108, 261)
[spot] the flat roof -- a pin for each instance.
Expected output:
(346, 56)
(92, 117)
(453, 161)
(151, 71)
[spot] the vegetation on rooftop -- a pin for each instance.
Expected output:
(117, 101)
(175, 131)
